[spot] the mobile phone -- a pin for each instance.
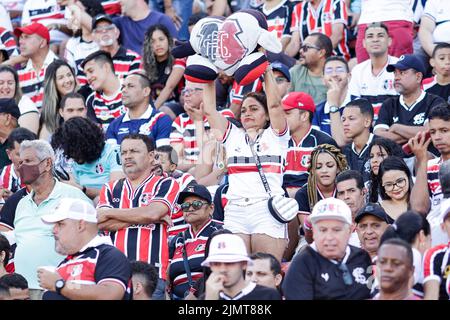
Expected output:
(407, 150)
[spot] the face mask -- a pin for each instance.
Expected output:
(29, 173)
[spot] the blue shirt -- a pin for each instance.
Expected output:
(155, 124)
(133, 32)
(97, 173)
(321, 120)
(34, 238)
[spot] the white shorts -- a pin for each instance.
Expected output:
(253, 219)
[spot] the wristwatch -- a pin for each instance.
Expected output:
(334, 109)
(59, 285)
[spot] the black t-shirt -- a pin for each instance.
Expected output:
(8, 212)
(359, 162)
(301, 196)
(440, 91)
(4, 160)
(313, 277)
(251, 292)
(393, 110)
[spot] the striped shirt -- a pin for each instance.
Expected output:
(195, 245)
(238, 92)
(8, 41)
(43, 11)
(9, 179)
(279, 18)
(105, 109)
(142, 242)
(111, 7)
(183, 131)
(76, 51)
(32, 81)
(436, 266)
(306, 20)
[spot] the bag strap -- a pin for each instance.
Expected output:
(186, 262)
(258, 165)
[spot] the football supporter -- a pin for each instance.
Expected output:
(434, 25)
(106, 35)
(5, 252)
(413, 228)
(307, 76)
(34, 41)
(187, 249)
(401, 118)
(105, 103)
(138, 221)
(141, 115)
(371, 223)
(282, 77)
(228, 260)
(264, 270)
(427, 194)
(439, 84)
(370, 79)
(330, 268)
(17, 286)
(326, 16)
(72, 105)
(395, 269)
(144, 278)
(11, 113)
(336, 76)
(35, 243)
(397, 15)
(93, 268)
(266, 132)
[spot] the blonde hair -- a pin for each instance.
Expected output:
(341, 163)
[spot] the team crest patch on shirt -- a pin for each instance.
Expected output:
(99, 168)
(306, 158)
(388, 84)
(145, 129)
(200, 247)
(145, 199)
(76, 271)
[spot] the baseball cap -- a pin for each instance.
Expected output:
(376, 210)
(101, 17)
(445, 210)
(299, 100)
(226, 248)
(407, 61)
(281, 67)
(72, 208)
(34, 28)
(195, 190)
(333, 209)
(8, 105)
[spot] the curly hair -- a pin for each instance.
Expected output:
(81, 139)
(149, 60)
(341, 163)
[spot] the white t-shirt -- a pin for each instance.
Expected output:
(439, 12)
(5, 20)
(77, 50)
(26, 105)
(386, 10)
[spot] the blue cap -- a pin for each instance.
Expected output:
(374, 209)
(195, 190)
(407, 61)
(281, 67)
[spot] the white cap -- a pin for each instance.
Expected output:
(331, 208)
(72, 208)
(445, 209)
(226, 248)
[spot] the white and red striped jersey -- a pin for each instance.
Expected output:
(149, 242)
(279, 18)
(112, 7)
(9, 179)
(238, 92)
(105, 109)
(243, 175)
(32, 81)
(183, 131)
(8, 41)
(46, 12)
(436, 266)
(306, 20)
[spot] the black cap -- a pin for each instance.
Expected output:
(376, 210)
(407, 61)
(101, 17)
(9, 106)
(195, 190)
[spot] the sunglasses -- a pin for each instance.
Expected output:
(306, 47)
(346, 276)
(196, 204)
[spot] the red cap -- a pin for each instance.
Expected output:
(34, 28)
(298, 100)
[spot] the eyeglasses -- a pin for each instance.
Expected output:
(389, 186)
(196, 204)
(346, 276)
(338, 70)
(306, 47)
(106, 28)
(189, 91)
